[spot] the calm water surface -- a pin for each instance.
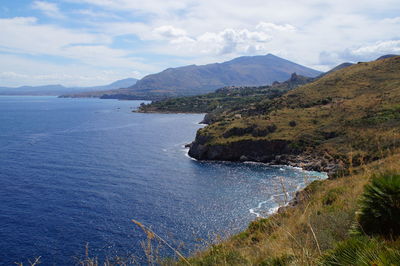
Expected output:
(76, 171)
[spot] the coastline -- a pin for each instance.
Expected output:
(275, 152)
(296, 196)
(164, 112)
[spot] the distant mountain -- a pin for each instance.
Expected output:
(55, 90)
(34, 90)
(195, 80)
(336, 68)
(386, 56)
(123, 83)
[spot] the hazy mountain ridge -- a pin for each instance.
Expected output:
(57, 89)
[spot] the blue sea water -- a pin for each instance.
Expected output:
(76, 171)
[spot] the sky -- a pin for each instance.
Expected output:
(95, 42)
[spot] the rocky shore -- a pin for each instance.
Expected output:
(276, 152)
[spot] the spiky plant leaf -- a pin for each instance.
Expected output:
(361, 251)
(379, 212)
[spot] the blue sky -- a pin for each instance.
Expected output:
(93, 42)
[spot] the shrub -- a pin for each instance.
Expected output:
(278, 261)
(332, 195)
(220, 255)
(379, 212)
(272, 128)
(238, 131)
(292, 123)
(361, 251)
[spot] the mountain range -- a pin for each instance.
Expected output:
(55, 90)
(189, 80)
(195, 80)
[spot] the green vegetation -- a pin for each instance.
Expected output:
(362, 251)
(225, 100)
(380, 207)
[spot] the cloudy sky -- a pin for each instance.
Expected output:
(92, 42)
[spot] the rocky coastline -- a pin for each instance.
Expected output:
(274, 152)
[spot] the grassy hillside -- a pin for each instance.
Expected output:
(302, 235)
(351, 115)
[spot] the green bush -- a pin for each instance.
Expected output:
(331, 195)
(361, 251)
(380, 207)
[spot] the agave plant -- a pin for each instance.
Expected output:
(379, 212)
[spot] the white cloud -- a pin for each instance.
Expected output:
(131, 34)
(378, 48)
(170, 32)
(148, 7)
(98, 15)
(25, 35)
(16, 71)
(270, 27)
(12, 75)
(90, 51)
(49, 9)
(227, 41)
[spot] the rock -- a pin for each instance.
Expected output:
(260, 150)
(266, 151)
(243, 158)
(188, 145)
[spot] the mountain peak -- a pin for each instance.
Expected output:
(242, 71)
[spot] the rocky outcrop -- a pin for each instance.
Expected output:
(312, 161)
(246, 150)
(277, 152)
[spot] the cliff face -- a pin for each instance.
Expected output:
(276, 152)
(245, 150)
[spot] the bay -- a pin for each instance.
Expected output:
(77, 171)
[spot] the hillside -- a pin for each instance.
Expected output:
(316, 228)
(343, 117)
(226, 98)
(196, 80)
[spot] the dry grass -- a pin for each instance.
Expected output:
(302, 233)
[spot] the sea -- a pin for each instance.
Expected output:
(74, 173)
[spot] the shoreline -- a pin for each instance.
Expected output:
(296, 196)
(165, 112)
(255, 151)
